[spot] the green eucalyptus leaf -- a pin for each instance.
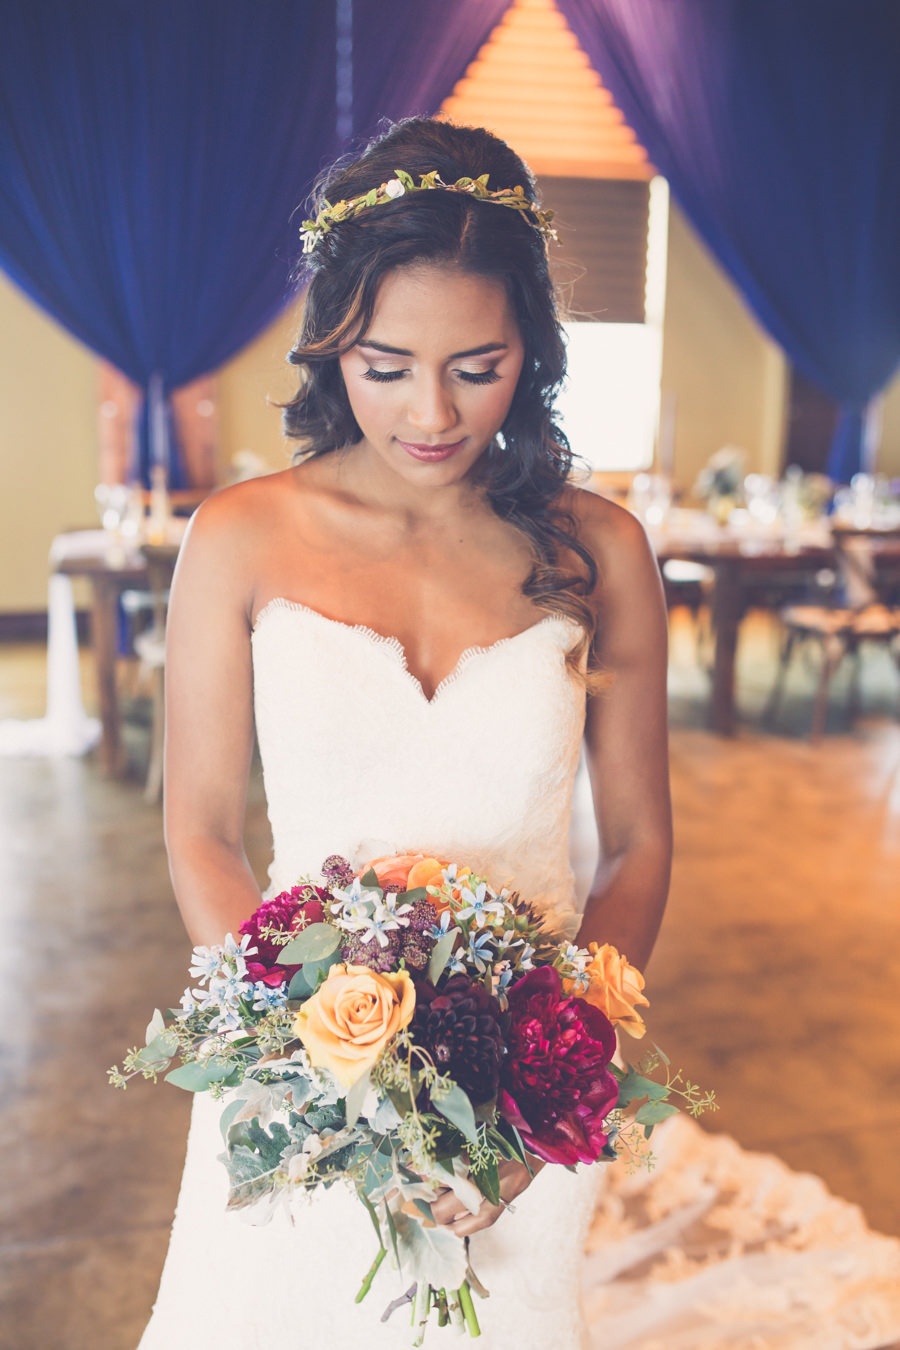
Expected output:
(198, 1076)
(651, 1113)
(412, 897)
(315, 971)
(313, 943)
(157, 1052)
(455, 1106)
(369, 880)
(487, 1179)
(635, 1085)
(440, 955)
(299, 986)
(155, 1027)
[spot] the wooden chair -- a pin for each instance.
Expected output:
(690, 584)
(850, 616)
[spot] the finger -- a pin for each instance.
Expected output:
(447, 1209)
(467, 1224)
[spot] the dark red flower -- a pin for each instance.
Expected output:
(460, 1029)
(285, 913)
(555, 1086)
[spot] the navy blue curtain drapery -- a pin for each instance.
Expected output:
(432, 44)
(777, 125)
(153, 154)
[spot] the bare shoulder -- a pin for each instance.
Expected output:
(615, 538)
(226, 533)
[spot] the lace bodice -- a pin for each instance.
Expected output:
(356, 758)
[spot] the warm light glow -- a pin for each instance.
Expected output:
(610, 404)
(532, 84)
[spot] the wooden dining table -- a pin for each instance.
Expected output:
(108, 575)
(738, 565)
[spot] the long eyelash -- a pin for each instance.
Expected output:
(382, 376)
(479, 377)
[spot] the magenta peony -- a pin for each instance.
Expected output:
(555, 1086)
(285, 913)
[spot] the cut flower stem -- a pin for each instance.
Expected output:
(372, 1272)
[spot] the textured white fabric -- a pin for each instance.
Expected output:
(716, 1248)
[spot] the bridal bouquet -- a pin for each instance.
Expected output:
(406, 1028)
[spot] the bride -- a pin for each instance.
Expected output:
(427, 622)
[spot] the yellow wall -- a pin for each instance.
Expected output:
(250, 386)
(48, 444)
(727, 377)
(888, 458)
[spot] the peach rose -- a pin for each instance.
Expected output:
(352, 1016)
(395, 871)
(426, 872)
(616, 989)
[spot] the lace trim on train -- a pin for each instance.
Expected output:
(395, 646)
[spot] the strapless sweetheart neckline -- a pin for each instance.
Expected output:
(396, 647)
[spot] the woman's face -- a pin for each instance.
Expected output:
(431, 380)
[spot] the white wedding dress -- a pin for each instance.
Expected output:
(715, 1248)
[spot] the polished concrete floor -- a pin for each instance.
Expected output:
(776, 981)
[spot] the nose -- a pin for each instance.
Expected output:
(430, 409)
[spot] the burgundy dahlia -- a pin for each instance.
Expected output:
(555, 1086)
(285, 913)
(460, 1029)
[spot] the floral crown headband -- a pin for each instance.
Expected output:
(312, 231)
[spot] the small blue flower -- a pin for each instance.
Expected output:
(478, 952)
(379, 924)
(399, 912)
(188, 1002)
(268, 998)
(233, 950)
(441, 929)
(478, 907)
(353, 895)
(354, 917)
(229, 1019)
(205, 963)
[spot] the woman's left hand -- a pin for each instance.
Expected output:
(449, 1211)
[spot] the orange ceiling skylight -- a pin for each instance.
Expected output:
(532, 84)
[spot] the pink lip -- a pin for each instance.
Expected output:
(432, 454)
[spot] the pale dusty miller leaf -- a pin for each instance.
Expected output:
(432, 1255)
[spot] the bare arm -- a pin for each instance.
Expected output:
(209, 725)
(626, 742)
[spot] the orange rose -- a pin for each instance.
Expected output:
(426, 872)
(351, 1017)
(615, 988)
(394, 871)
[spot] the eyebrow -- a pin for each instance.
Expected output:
(485, 350)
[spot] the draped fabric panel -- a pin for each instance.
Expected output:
(777, 126)
(153, 154)
(432, 43)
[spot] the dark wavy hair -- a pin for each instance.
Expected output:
(524, 472)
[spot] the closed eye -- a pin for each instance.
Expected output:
(383, 376)
(478, 376)
(467, 376)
